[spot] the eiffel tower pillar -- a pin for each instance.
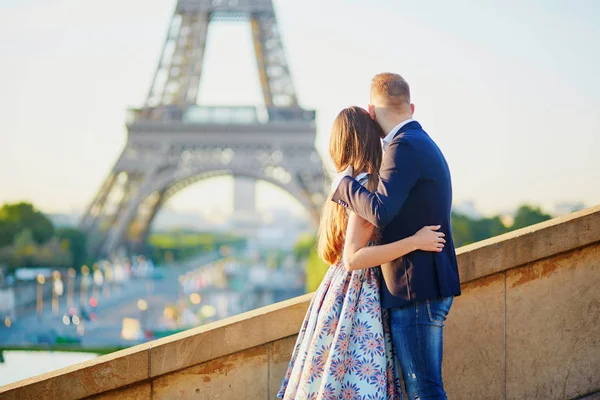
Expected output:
(244, 196)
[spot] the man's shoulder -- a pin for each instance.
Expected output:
(407, 139)
(413, 132)
(413, 138)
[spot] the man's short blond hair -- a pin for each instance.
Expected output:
(390, 90)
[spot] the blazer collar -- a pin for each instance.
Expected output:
(410, 126)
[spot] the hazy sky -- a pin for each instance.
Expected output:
(510, 90)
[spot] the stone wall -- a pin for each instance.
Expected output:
(526, 327)
(531, 332)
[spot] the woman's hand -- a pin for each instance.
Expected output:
(429, 239)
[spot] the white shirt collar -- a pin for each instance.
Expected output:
(390, 136)
(361, 176)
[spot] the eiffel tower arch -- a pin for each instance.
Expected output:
(173, 142)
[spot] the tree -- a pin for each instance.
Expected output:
(315, 270)
(304, 245)
(488, 227)
(184, 244)
(462, 227)
(306, 250)
(75, 242)
(15, 218)
(26, 253)
(527, 215)
(467, 230)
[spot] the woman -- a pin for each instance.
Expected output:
(344, 348)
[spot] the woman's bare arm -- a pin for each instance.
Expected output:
(357, 255)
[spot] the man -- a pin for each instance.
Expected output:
(414, 191)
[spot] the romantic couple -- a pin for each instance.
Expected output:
(388, 291)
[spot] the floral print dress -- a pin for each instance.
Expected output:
(344, 348)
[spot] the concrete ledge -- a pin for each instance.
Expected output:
(142, 363)
(529, 244)
(92, 377)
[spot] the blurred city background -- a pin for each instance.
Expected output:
(138, 200)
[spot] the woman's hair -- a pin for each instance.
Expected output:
(355, 141)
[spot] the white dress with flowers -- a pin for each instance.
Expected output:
(344, 348)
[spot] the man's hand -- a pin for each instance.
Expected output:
(338, 178)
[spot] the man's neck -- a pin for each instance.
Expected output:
(394, 122)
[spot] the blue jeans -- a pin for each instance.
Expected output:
(417, 332)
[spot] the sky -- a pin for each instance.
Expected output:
(509, 90)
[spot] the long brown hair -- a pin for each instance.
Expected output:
(355, 141)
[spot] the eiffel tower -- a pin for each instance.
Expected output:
(173, 142)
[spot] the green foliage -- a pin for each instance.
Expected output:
(304, 245)
(26, 253)
(24, 239)
(75, 242)
(306, 250)
(467, 230)
(527, 215)
(28, 239)
(315, 270)
(15, 218)
(181, 244)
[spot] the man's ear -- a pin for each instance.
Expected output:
(412, 108)
(372, 112)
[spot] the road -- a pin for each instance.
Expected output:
(111, 310)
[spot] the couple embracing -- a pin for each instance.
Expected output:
(385, 231)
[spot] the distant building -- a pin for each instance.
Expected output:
(64, 220)
(467, 208)
(276, 228)
(567, 207)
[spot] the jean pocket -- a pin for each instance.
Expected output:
(438, 309)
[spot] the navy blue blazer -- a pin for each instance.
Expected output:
(414, 190)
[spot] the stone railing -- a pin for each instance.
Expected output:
(526, 327)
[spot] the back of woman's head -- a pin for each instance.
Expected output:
(355, 141)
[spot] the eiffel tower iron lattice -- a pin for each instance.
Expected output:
(173, 142)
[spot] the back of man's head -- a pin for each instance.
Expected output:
(390, 91)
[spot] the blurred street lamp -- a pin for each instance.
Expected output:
(98, 280)
(180, 289)
(40, 296)
(108, 279)
(195, 298)
(143, 307)
(85, 283)
(71, 288)
(169, 312)
(208, 311)
(57, 291)
(80, 329)
(118, 275)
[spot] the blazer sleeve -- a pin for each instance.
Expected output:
(399, 173)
